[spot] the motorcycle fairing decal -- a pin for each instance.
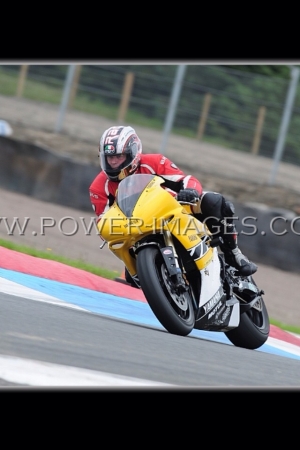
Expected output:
(198, 251)
(218, 314)
(222, 317)
(209, 305)
(227, 316)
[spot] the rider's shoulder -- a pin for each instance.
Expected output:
(152, 157)
(99, 181)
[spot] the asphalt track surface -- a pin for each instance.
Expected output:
(120, 311)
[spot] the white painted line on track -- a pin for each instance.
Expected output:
(28, 372)
(285, 346)
(12, 288)
(37, 373)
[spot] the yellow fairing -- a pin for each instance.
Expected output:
(156, 210)
(190, 232)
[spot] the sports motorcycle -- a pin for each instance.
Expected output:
(174, 259)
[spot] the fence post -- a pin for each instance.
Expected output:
(127, 88)
(258, 129)
(21, 81)
(181, 69)
(285, 120)
(65, 99)
(74, 86)
(203, 117)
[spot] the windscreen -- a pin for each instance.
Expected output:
(129, 191)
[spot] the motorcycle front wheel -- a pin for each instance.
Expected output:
(173, 309)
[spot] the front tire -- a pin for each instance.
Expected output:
(173, 310)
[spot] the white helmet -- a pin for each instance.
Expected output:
(120, 140)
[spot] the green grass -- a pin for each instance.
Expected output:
(100, 272)
(286, 327)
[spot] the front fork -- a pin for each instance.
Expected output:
(170, 257)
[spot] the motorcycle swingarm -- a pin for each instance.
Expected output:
(247, 306)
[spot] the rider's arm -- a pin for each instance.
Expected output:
(175, 178)
(102, 194)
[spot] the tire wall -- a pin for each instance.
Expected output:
(39, 173)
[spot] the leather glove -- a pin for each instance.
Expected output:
(188, 195)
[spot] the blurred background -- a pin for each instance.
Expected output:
(230, 126)
(250, 108)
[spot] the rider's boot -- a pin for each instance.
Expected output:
(235, 258)
(233, 255)
(218, 214)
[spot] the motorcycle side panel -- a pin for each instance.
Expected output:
(234, 320)
(216, 312)
(210, 279)
(193, 236)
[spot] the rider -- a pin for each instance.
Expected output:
(120, 153)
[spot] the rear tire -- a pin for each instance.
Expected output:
(254, 328)
(175, 312)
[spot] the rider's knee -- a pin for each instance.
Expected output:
(211, 204)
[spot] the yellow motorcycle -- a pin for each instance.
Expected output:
(173, 258)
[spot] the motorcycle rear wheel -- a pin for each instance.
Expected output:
(174, 312)
(254, 327)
